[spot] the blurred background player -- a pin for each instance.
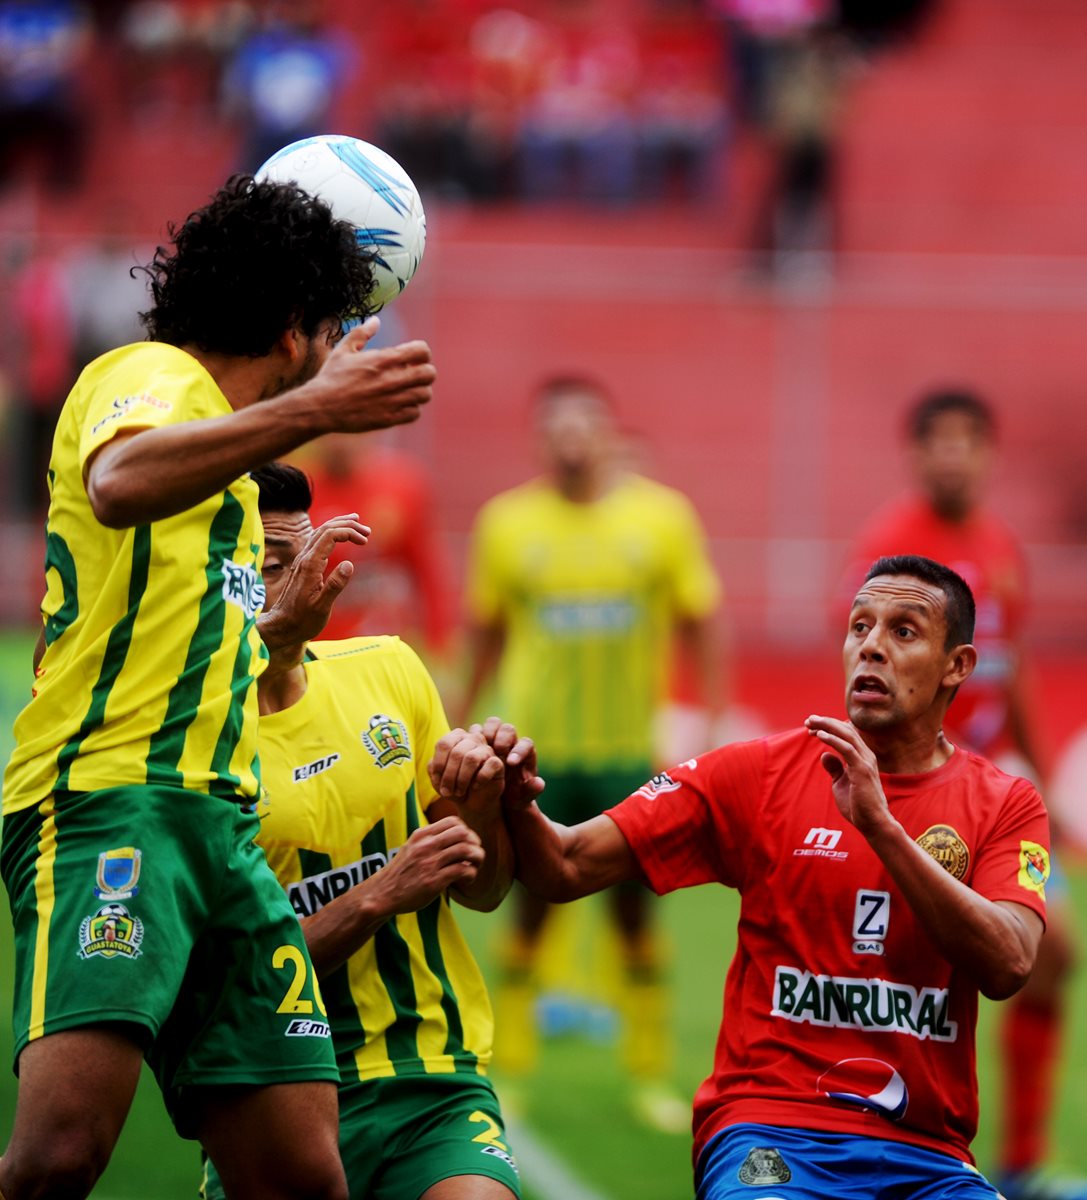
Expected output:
(369, 853)
(952, 438)
(577, 583)
(406, 584)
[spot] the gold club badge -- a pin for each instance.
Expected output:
(943, 843)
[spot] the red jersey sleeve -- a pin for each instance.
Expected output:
(684, 825)
(1013, 864)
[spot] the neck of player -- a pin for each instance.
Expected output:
(283, 682)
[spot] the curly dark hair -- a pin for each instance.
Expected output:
(258, 259)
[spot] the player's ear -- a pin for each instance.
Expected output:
(961, 661)
(291, 343)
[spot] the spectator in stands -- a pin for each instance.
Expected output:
(420, 53)
(796, 212)
(680, 110)
(284, 80)
(577, 136)
(43, 44)
(758, 33)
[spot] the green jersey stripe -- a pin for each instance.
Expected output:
(120, 638)
(59, 558)
(429, 919)
(168, 743)
(240, 681)
(393, 960)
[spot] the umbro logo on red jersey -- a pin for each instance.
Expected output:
(821, 843)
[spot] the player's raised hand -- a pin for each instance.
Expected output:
(854, 773)
(434, 859)
(466, 769)
(359, 389)
(302, 609)
(523, 784)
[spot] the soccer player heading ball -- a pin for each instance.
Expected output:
(887, 878)
(146, 921)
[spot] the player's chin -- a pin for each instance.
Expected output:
(867, 717)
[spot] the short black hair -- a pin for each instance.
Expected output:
(959, 609)
(562, 384)
(283, 488)
(258, 259)
(949, 400)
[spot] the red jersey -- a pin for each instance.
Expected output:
(985, 552)
(402, 580)
(840, 1014)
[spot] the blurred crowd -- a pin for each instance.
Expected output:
(599, 102)
(607, 100)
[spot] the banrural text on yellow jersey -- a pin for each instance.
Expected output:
(151, 639)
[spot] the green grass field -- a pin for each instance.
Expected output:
(576, 1103)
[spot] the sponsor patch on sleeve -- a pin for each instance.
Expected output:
(1033, 867)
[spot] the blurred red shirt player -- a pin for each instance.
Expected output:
(402, 581)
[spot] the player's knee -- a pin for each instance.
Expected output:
(65, 1166)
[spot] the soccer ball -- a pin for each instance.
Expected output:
(368, 188)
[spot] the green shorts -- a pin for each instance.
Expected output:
(401, 1135)
(573, 796)
(153, 906)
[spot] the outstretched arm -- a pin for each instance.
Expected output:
(435, 858)
(559, 862)
(155, 473)
(994, 942)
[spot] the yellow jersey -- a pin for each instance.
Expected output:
(151, 640)
(345, 784)
(587, 595)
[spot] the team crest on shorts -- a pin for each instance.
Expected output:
(1033, 867)
(943, 843)
(387, 740)
(764, 1165)
(118, 871)
(111, 931)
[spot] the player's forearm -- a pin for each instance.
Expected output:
(344, 926)
(158, 473)
(560, 863)
(495, 877)
(977, 936)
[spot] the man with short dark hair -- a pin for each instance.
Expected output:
(952, 434)
(371, 848)
(146, 921)
(887, 877)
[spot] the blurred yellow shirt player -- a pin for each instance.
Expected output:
(578, 582)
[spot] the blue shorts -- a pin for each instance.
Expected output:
(765, 1162)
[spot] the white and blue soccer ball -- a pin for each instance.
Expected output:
(368, 188)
